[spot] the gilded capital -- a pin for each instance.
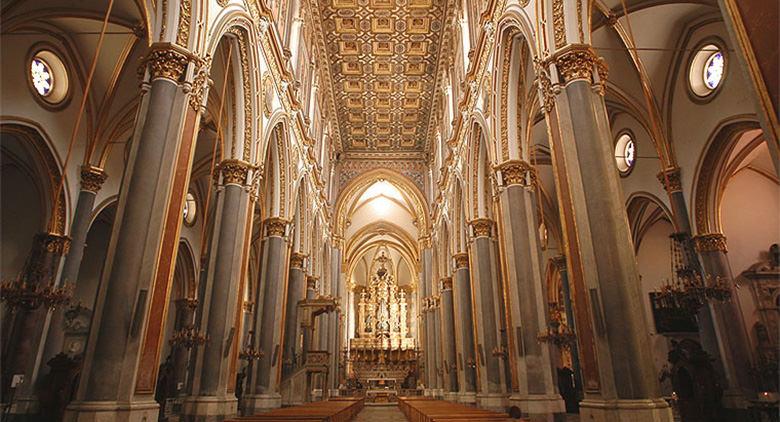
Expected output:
(53, 243)
(461, 260)
(311, 282)
(517, 172)
(92, 178)
(275, 226)
(482, 227)
(670, 179)
(559, 262)
(187, 303)
(168, 61)
(580, 62)
(446, 283)
(425, 242)
(296, 260)
(234, 172)
(710, 242)
(248, 306)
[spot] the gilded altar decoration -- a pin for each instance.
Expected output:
(670, 179)
(382, 313)
(92, 178)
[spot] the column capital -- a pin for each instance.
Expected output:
(296, 260)
(580, 62)
(187, 303)
(446, 283)
(249, 306)
(168, 61)
(311, 282)
(710, 242)
(461, 260)
(425, 241)
(482, 227)
(92, 178)
(275, 226)
(53, 243)
(234, 172)
(559, 262)
(516, 172)
(670, 179)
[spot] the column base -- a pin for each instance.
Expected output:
(111, 411)
(467, 398)
(209, 408)
(438, 393)
(261, 403)
(539, 407)
(428, 392)
(647, 410)
(492, 401)
(451, 396)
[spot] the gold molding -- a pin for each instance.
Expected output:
(92, 178)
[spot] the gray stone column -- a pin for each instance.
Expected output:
(296, 292)
(464, 330)
(210, 399)
(308, 326)
(725, 341)
(619, 377)
(263, 391)
(486, 296)
(115, 383)
(435, 316)
(537, 394)
(728, 325)
(448, 341)
(334, 318)
(426, 289)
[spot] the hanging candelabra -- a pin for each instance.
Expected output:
(35, 285)
(688, 290)
(188, 337)
(558, 332)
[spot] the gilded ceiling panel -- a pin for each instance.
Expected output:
(383, 56)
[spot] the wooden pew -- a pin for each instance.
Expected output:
(341, 410)
(424, 409)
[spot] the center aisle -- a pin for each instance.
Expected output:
(380, 414)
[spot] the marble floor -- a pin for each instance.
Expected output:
(380, 414)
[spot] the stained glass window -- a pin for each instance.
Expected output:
(625, 153)
(42, 77)
(713, 70)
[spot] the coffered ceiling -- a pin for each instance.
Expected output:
(383, 56)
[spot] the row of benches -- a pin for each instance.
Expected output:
(334, 410)
(425, 409)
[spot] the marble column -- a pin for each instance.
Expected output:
(464, 329)
(426, 289)
(733, 344)
(537, 393)
(448, 341)
(296, 292)
(485, 287)
(24, 329)
(212, 398)
(334, 318)
(263, 391)
(726, 342)
(308, 325)
(437, 345)
(118, 377)
(620, 381)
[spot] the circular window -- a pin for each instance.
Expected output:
(190, 209)
(48, 77)
(708, 67)
(625, 153)
(543, 235)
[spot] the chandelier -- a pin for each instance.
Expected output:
(688, 290)
(558, 333)
(35, 285)
(188, 337)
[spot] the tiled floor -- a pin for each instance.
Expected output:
(380, 414)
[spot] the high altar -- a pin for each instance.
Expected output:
(383, 356)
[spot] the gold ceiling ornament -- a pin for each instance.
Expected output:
(710, 242)
(92, 178)
(461, 260)
(275, 226)
(517, 172)
(234, 172)
(670, 179)
(482, 227)
(168, 61)
(296, 260)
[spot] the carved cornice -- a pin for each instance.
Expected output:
(296, 260)
(92, 178)
(461, 260)
(234, 172)
(670, 179)
(710, 242)
(517, 172)
(168, 61)
(482, 227)
(275, 226)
